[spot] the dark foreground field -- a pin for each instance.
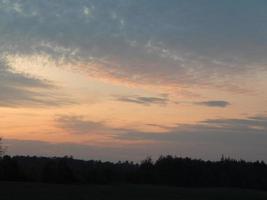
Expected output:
(36, 191)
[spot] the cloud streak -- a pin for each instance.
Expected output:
(220, 104)
(142, 100)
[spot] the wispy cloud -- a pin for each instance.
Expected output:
(147, 101)
(110, 41)
(160, 126)
(18, 89)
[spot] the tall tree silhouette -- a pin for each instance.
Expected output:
(2, 148)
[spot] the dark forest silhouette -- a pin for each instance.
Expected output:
(167, 170)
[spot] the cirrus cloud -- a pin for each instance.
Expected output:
(143, 100)
(109, 40)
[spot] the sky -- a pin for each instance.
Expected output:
(125, 79)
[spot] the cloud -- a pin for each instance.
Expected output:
(210, 103)
(223, 129)
(175, 44)
(237, 138)
(160, 126)
(79, 125)
(18, 89)
(220, 104)
(147, 101)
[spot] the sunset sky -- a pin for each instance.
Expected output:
(127, 79)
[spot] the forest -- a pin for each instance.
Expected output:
(166, 170)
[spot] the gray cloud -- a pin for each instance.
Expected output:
(79, 125)
(147, 101)
(235, 137)
(132, 41)
(18, 89)
(209, 103)
(209, 139)
(222, 129)
(220, 104)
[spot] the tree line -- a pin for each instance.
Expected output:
(166, 170)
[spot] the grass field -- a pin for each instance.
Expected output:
(39, 191)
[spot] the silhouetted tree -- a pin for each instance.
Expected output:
(167, 170)
(9, 169)
(2, 148)
(146, 171)
(58, 171)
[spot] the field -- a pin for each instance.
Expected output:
(37, 191)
